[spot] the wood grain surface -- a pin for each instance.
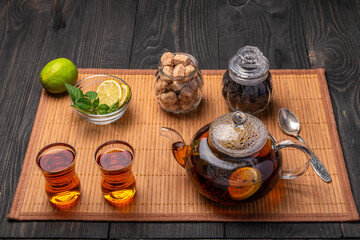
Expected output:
(273, 26)
(332, 35)
(133, 34)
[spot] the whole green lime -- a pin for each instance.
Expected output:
(58, 72)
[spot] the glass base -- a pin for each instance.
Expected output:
(65, 200)
(182, 111)
(121, 197)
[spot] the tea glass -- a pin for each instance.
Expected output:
(115, 159)
(57, 163)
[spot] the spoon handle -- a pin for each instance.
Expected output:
(316, 164)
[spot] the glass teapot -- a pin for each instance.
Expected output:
(234, 159)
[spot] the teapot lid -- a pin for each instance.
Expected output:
(238, 134)
(248, 66)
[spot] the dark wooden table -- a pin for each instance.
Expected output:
(133, 34)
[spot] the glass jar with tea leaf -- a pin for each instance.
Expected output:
(247, 82)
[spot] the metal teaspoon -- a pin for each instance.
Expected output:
(291, 126)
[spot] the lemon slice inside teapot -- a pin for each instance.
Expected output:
(237, 134)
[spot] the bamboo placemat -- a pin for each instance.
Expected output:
(164, 193)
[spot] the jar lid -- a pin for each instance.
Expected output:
(238, 134)
(249, 66)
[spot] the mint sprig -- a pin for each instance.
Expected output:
(89, 102)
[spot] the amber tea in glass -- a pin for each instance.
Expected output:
(57, 163)
(114, 159)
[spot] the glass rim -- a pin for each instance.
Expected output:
(108, 114)
(114, 142)
(42, 150)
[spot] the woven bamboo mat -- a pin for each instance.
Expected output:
(164, 192)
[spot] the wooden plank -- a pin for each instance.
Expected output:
(351, 230)
(332, 33)
(33, 33)
(283, 230)
(95, 34)
(273, 26)
(166, 230)
(175, 26)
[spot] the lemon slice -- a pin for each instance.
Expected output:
(125, 96)
(244, 182)
(109, 92)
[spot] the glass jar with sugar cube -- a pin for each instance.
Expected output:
(178, 82)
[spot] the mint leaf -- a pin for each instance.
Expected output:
(91, 95)
(83, 103)
(100, 111)
(114, 107)
(96, 103)
(103, 107)
(75, 106)
(74, 92)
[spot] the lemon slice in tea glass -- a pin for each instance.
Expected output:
(104, 85)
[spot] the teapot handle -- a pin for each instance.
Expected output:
(293, 173)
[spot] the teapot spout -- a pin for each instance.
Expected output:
(180, 150)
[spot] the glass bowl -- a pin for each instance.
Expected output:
(91, 83)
